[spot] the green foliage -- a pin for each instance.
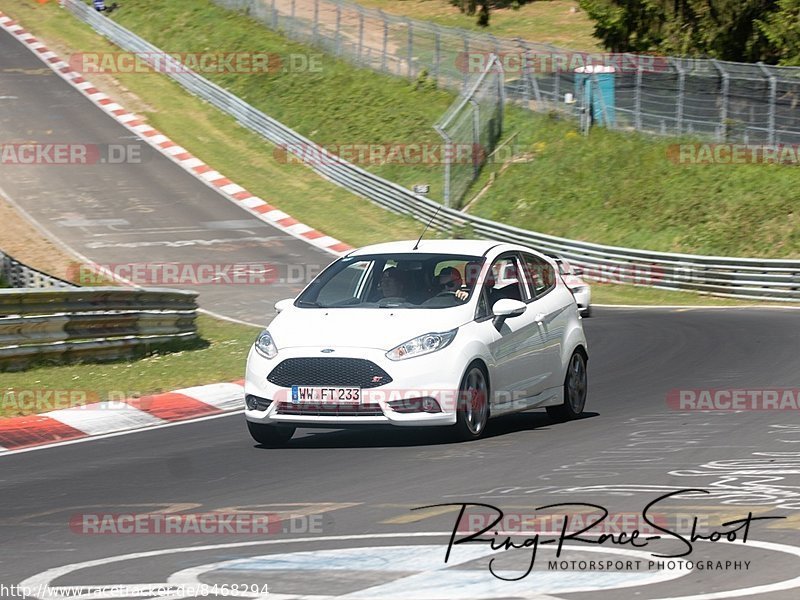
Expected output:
(736, 30)
(782, 30)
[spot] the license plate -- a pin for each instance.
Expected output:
(326, 395)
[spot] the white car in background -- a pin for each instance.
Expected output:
(571, 276)
(580, 289)
(419, 334)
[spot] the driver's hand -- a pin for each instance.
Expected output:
(462, 295)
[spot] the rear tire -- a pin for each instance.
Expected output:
(270, 435)
(587, 313)
(473, 404)
(575, 387)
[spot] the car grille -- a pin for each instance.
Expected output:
(328, 372)
(333, 410)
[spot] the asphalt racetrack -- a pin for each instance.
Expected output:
(340, 503)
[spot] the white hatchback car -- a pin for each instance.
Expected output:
(419, 334)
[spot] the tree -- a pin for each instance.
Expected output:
(782, 30)
(737, 30)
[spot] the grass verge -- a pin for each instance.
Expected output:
(610, 293)
(557, 22)
(222, 359)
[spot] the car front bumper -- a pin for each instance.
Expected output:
(418, 377)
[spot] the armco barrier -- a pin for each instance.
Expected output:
(65, 325)
(16, 274)
(736, 277)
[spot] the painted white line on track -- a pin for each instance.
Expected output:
(45, 578)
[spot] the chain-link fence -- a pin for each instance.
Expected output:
(750, 103)
(470, 130)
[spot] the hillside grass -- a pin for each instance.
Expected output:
(557, 22)
(612, 187)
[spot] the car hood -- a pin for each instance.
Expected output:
(573, 281)
(380, 328)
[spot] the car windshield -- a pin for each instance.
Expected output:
(394, 281)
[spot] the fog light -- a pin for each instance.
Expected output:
(430, 405)
(256, 403)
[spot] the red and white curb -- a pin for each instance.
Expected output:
(101, 418)
(227, 188)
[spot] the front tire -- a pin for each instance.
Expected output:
(270, 435)
(575, 387)
(473, 404)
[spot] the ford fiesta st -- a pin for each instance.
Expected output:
(419, 334)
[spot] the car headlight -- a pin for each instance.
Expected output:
(423, 344)
(265, 345)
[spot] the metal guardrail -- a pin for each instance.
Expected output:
(724, 276)
(15, 274)
(103, 323)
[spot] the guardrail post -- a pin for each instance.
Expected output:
(773, 93)
(681, 93)
(556, 87)
(337, 40)
(360, 31)
(385, 39)
(274, 15)
(437, 42)
(447, 157)
(410, 53)
(467, 62)
(476, 138)
(723, 111)
(637, 100)
(315, 25)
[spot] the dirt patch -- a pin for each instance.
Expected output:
(25, 242)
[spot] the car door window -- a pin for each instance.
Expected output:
(539, 273)
(504, 281)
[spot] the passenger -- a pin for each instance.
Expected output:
(392, 284)
(472, 271)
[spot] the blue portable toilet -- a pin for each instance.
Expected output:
(595, 86)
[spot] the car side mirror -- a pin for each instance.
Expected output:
(282, 305)
(577, 271)
(507, 308)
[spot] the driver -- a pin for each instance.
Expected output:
(450, 281)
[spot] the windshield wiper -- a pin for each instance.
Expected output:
(308, 303)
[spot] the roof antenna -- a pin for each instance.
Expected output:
(426, 227)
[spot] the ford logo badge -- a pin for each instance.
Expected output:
(327, 350)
